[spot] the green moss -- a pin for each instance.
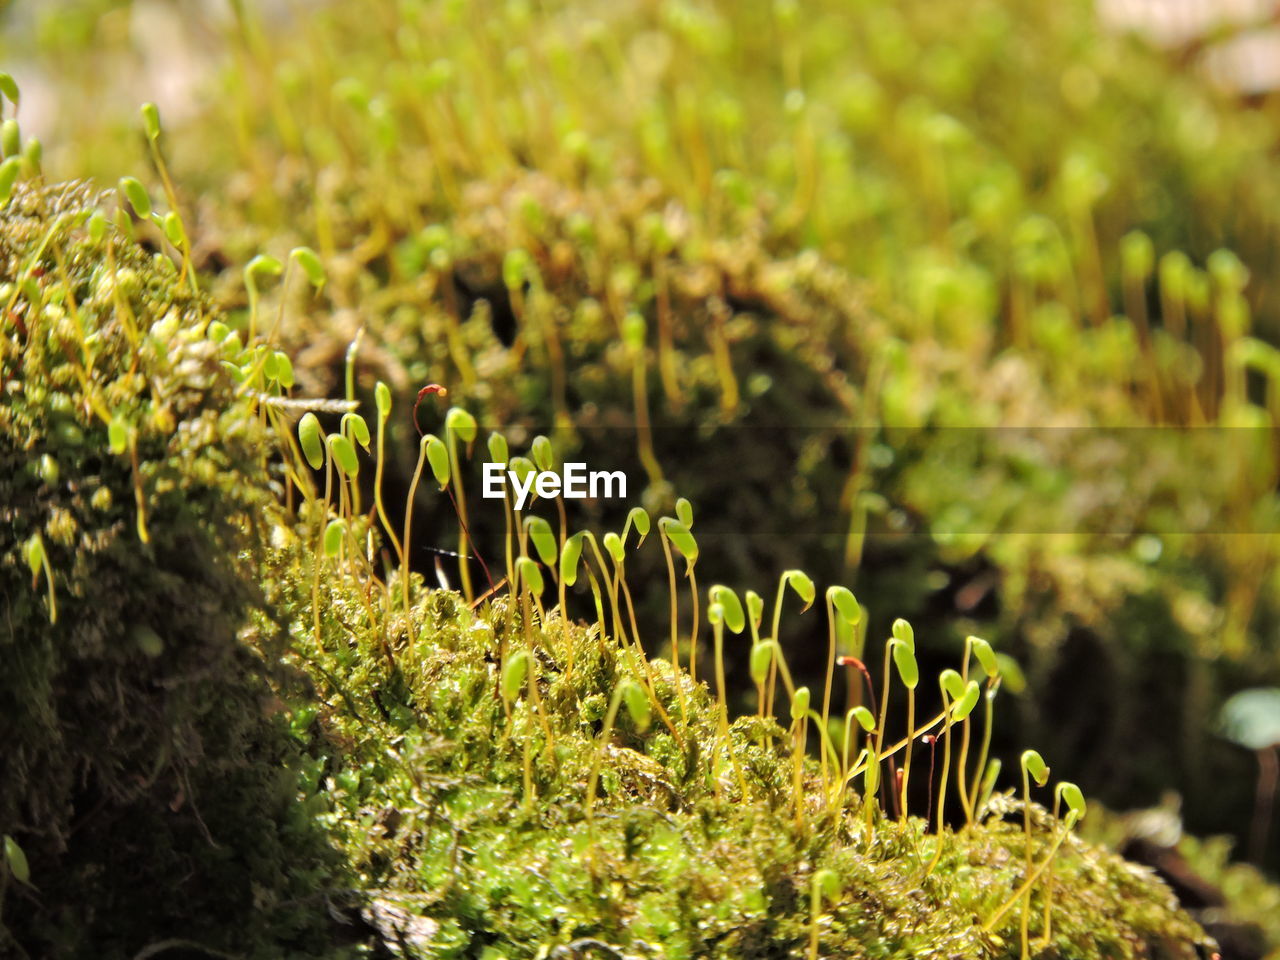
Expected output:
(145, 777)
(747, 156)
(428, 799)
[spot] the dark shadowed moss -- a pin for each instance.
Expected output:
(141, 768)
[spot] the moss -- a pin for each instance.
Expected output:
(428, 799)
(145, 776)
(757, 155)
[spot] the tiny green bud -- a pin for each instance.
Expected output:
(498, 450)
(97, 227)
(9, 87)
(344, 454)
(515, 266)
(48, 470)
(462, 423)
(827, 883)
(680, 536)
(14, 858)
(986, 656)
(542, 453)
(871, 774)
(800, 582)
(9, 171)
(866, 720)
(136, 194)
(1034, 764)
(310, 263)
(544, 541)
(569, 559)
(637, 702)
(33, 551)
(309, 438)
(800, 704)
(684, 512)
(952, 684)
(1074, 798)
(173, 230)
(521, 467)
(734, 617)
(333, 535)
(1137, 254)
(761, 657)
(530, 574)
(513, 674)
(217, 331)
(147, 640)
(633, 331)
(637, 517)
(755, 606)
(284, 375)
(261, 266)
(846, 604)
(117, 436)
(151, 121)
(905, 632)
(358, 428)
(382, 399)
(613, 544)
(10, 138)
(33, 154)
(438, 458)
(905, 661)
(964, 706)
(1227, 270)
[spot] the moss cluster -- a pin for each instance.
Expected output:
(145, 778)
(462, 854)
(497, 189)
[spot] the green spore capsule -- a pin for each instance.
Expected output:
(569, 559)
(309, 261)
(309, 438)
(866, 720)
(333, 535)
(530, 575)
(344, 454)
(136, 194)
(499, 452)
(513, 674)
(438, 458)
(761, 658)
(544, 541)
(734, 617)
(637, 702)
(905, 661)
(1034, 764)
(543, 455)
(800, 704)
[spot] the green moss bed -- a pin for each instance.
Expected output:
(237, 735)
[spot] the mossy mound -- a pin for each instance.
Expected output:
(145, 777)
(473, 815)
